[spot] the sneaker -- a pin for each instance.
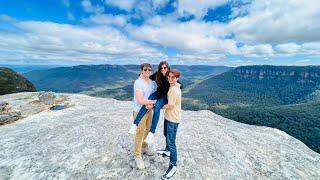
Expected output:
(150, 138)
(139, 162)
(164, 153)
(169, 172)
(133, 129)
(148, 151)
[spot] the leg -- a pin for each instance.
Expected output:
(156, 112)
(165, 152)
(147, 148)
(148, 117)
(144, 110)
(171, 138)
(139, 136)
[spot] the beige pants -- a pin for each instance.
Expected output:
(142, 132)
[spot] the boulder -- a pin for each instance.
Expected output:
(8, 113)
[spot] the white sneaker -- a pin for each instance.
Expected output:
(133, 129)
(139, 162)
(169, 172)
(150, 138)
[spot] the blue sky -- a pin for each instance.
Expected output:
(214, 32)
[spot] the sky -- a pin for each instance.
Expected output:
(188, 32)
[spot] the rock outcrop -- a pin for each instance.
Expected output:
(8, 114)
(27, 104)
(90, 141)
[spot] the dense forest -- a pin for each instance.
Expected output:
(283, 97)
(12, 82)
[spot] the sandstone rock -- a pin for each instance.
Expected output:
(90, 141)
(29, 103)
(8, 114)
(47, 97)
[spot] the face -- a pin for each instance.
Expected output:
(172, 79)
(164, 69)
(146, 71)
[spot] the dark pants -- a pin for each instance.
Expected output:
(170, 132)
(161, 101)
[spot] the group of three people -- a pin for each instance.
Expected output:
(161, 90)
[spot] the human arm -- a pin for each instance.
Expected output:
(142, 100)
(168, 106)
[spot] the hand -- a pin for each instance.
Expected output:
(165, 106)
(149, 106)
(152, 101)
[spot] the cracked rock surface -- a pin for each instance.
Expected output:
(90, 140)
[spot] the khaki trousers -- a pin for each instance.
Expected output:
(142, 132)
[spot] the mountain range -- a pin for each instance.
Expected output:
(283, 97)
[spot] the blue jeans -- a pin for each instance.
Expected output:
(170, 132)
(161, 101)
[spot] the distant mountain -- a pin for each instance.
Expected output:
(260, 85)
(283, 97)
(12, 82)
(108, 80)
(22, 68)
(81, 78)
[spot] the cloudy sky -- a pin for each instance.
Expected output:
(215, 32)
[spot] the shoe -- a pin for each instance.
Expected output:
(133, 129)
(164, 153)
(169, 172)
(139, 162)
(148, 151)
(150, 138)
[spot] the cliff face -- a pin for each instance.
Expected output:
(307, 73)
(12, 82)
(259, 85)
(90, 141)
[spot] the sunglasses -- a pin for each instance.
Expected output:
(147, 70)
(164, 67)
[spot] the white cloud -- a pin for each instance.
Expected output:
(264, 29)
(288, 48)
(196, 58)
(156, 4)
(88, 7)
(277, 21)
(312, 48)
(257, 50)
(122, 4)
(197, 8)
(67, 4)
(188, 36)
(107, 19)
(142, 9)
(55, 42)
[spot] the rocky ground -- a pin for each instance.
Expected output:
(89, 140)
